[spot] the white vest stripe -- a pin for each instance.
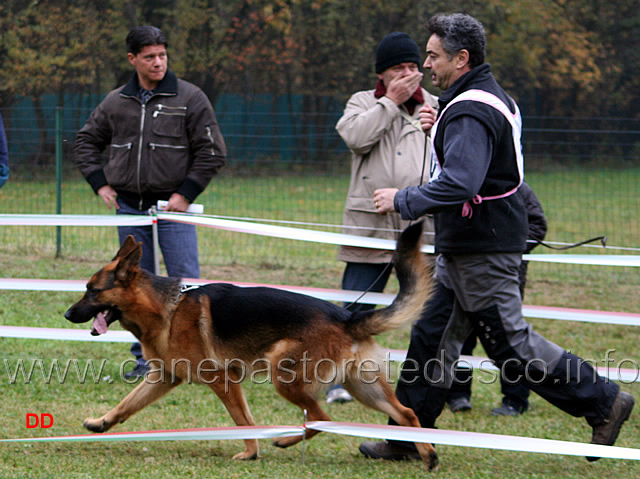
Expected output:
(514, 119)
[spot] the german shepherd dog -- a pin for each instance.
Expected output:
(300, 341)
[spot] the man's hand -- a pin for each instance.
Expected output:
(109, 196)
(427, 117)
(401, 88)
(383, 199)
(178, 203)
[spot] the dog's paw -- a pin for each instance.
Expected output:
(246, 456)
(433, 461)
(96, 425)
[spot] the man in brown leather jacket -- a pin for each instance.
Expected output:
(164, 144)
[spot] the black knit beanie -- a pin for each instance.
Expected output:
(395, 48)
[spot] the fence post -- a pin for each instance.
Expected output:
(58, 178)
(156, 244)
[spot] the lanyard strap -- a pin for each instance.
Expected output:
(414, 121)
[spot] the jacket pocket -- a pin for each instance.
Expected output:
(168, 166)
(363, 204)
(361, 218)
(169, 121)
(121, 169)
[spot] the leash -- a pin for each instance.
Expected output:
(602, 239)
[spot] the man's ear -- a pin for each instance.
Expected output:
(462, 58)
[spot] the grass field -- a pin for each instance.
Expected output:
(576, 204)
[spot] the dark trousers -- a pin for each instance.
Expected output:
(486, 301)
(425, 338)
(365, 277)
(514, 392)
(371, 277)
(414, 389)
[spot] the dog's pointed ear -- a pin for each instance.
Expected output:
(128, 247)
(128, 257)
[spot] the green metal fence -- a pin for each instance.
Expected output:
(585, 191)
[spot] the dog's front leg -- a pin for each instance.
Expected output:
(143, 395)
(233, 398)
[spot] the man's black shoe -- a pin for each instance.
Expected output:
(137, 372)
(389, 451)
(460, 404)
(507, 410)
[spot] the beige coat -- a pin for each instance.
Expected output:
(387, 152)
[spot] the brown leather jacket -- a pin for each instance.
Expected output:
(170, 144)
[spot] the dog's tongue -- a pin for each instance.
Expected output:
(99, 325)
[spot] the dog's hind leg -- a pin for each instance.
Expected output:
(380, 396)
(144, 394)
(232, 396)
(303, 396)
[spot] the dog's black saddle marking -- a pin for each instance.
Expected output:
(236, 310)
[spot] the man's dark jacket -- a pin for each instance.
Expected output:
(485, 165)
(170, 144)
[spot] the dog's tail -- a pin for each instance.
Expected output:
(416, 284)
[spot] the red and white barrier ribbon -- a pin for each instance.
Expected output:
(25, 332)
(545, 312)
(286, 232)
(209, 433)
(475, 439)
(584, 315)
(614, 373)
(435, 436)
(75, 220)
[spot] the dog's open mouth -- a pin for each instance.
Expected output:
(102, 321)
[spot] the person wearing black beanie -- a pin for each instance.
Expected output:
(396, 48)
(381, 128)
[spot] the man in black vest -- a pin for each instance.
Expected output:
(481, 230)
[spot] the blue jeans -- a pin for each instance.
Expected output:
(178, 243)
(179, 246)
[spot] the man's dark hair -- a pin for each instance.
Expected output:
(144, 36)
(459, 31)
